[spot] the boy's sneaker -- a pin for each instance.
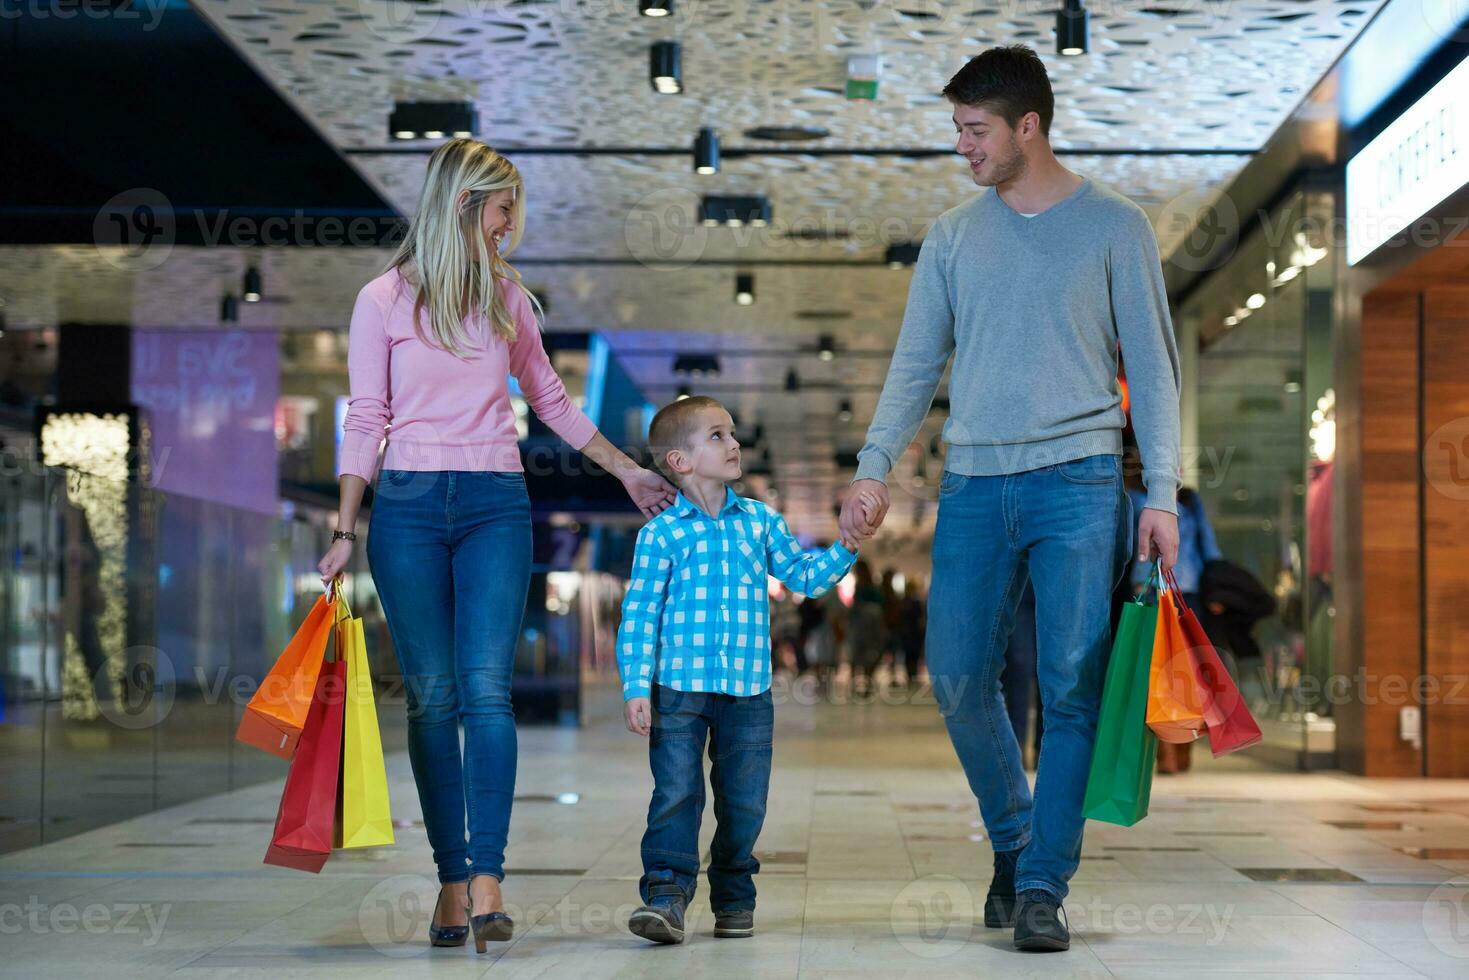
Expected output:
(999, 904)
(1039, 925)
(734, 923)
(661, 920)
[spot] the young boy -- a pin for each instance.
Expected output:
(694, 652)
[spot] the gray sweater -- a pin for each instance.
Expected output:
(1032, 309)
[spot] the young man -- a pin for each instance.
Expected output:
(1030, 285)
(694, 653)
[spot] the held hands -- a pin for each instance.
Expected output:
(649, 491)
(863, 511)
(1157, 535)
(870, 509)
(638, 713)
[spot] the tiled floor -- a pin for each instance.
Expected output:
(874, 865)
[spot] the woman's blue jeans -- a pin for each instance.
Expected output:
(1069, 528)
(450, 553)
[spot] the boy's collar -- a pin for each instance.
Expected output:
(683, 506)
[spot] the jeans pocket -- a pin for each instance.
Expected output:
(951, 483)
(1091, 470)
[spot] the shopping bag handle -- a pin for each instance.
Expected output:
(334, 594)
(1150, 582)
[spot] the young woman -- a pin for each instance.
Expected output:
(432, 343)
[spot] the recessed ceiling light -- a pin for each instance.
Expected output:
(655, 8)
(745, 288)
(431, 120)
(1071, 29)
(666, 68)
(706, 152)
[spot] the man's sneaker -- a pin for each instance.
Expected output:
(661, 920)
(1039, 922)
(999, 904)
(734, 923)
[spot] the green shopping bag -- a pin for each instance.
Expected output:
(1121, 778)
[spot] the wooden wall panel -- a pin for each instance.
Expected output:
(1390, 580)
(1446, 526)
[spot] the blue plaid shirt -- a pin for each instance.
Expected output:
(696, 616)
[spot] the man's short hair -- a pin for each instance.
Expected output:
(1008, 81)
(673, 428)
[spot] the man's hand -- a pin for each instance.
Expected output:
(1157, 532)
(638, 713)
(858, 521)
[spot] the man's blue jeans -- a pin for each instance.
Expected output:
(738, 730)
(450, 554)
(1068, 527)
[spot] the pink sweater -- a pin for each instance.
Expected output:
(445, 413)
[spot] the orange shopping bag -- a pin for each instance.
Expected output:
(276, 714)
(1177, 694)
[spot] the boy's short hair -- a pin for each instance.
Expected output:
(673, 428)
(1008, 81)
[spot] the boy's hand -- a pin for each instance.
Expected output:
(870, 506)
(638, 712)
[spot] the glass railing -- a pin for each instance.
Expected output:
(136, 624)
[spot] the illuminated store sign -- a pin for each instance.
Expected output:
(1414, 164)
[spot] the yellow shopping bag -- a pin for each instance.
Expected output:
(363, 815)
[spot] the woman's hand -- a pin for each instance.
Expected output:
(649, 491)
(334, 561)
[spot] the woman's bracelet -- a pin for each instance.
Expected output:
(344, 536)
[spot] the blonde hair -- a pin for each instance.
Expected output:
(674, 427)
(453, 267)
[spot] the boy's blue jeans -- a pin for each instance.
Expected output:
(738, 730)
(1069, 528)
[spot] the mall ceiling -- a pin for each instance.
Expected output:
(1167, 106)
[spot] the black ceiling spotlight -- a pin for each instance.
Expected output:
(734, 211)
(696, 365)
(844, 413)
(900, 254)
(432, 120)
(706, 152)
(826, 347)
(667, 72)
(252, 289)
(229, 309)
(683, 392)
(745, 288)
(655, 8)
(1071, 28)
(793, 380)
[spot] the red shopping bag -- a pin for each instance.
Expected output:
(305, 823)
(1231, 726)
(275, 715)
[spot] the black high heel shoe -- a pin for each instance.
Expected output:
(492, 927)
(445, 935)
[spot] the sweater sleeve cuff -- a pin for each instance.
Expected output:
(873, 466)
(359, 455)
(1162, 495)
(576, 429)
